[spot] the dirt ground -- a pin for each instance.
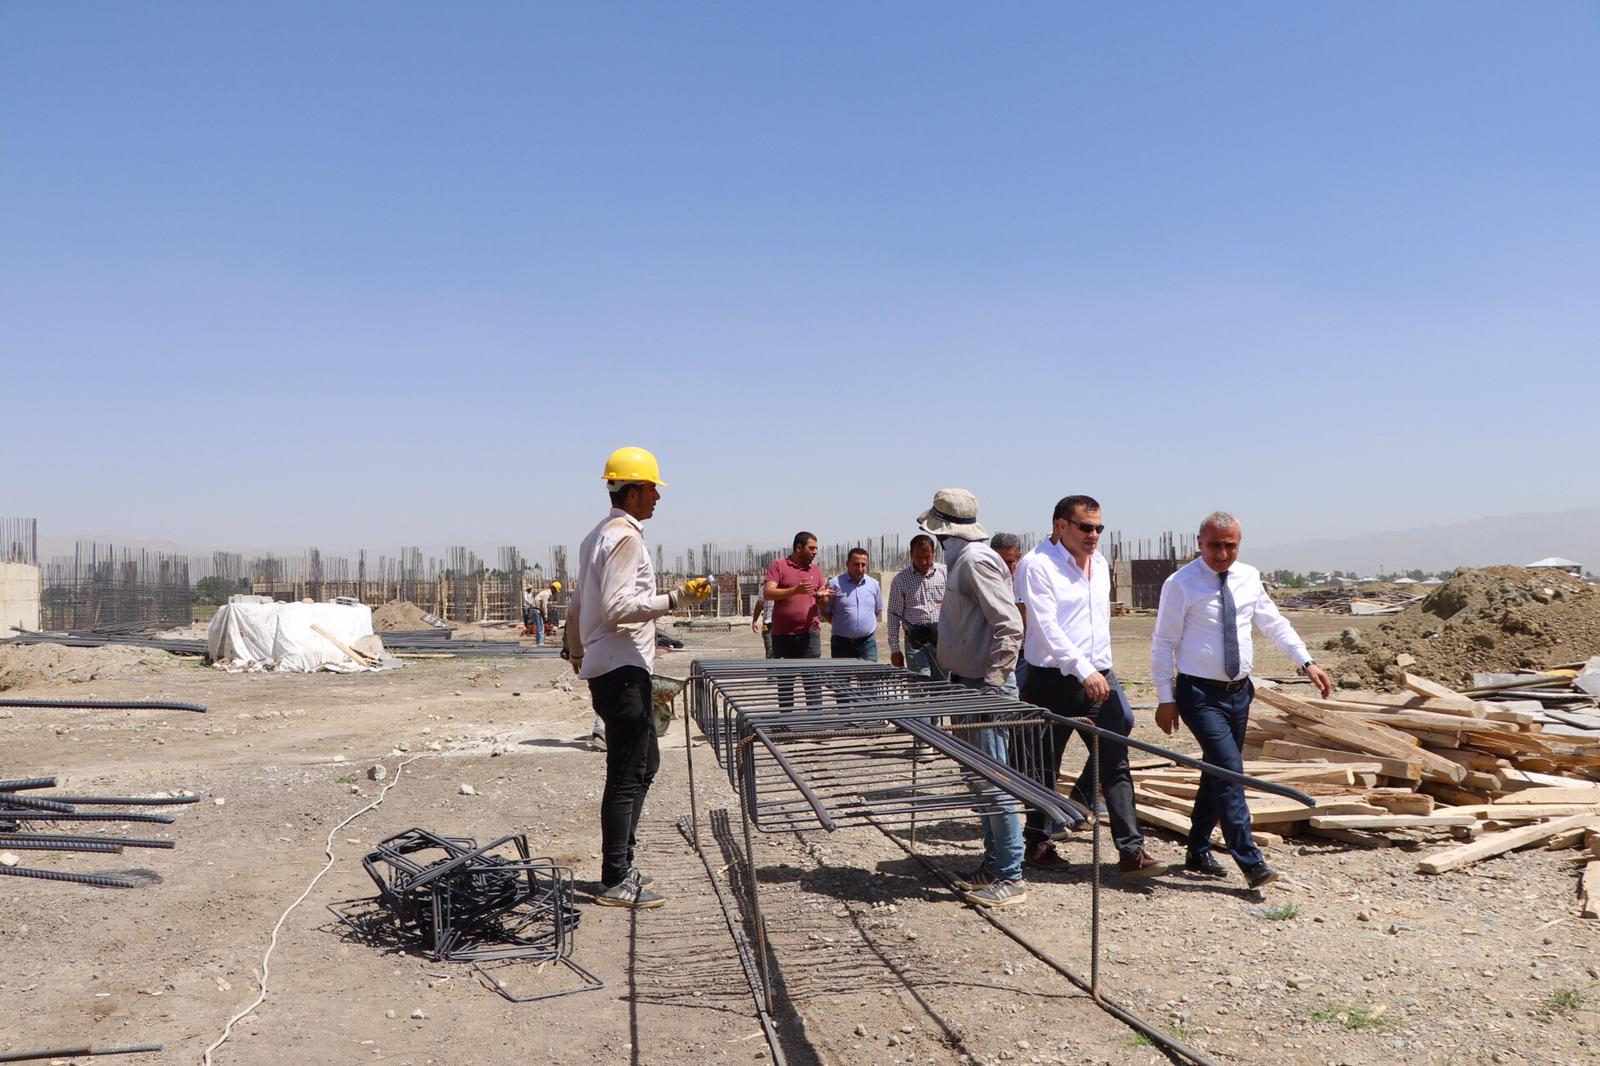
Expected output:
(875, 961)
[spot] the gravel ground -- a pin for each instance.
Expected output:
(1353, 958)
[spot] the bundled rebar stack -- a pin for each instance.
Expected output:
(27, 812)
(459, 902)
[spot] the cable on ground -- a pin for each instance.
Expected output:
(327, 850)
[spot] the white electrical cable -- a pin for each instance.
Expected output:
(327, 850)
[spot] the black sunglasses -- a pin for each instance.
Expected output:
(1089, 527)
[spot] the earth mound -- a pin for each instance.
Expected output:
(1497, 620)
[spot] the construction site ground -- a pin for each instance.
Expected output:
(1352, 958)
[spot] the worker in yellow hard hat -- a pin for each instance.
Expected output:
(610, 637)
(541, 613)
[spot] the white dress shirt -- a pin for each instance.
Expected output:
(612, 611)
(1069, 611)
(1188, 637)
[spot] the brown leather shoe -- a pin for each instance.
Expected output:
(1139, 864)
(1044, 856)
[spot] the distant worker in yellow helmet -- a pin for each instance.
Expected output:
(610, 636)
(541, 612)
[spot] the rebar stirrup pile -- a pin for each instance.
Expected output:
(457, 901)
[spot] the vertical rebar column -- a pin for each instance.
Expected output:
(1094, 904)
(747, 774)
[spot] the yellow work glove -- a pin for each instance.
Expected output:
(696, 588)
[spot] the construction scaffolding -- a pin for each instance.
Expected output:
(461, 587)
(19, 541)
(103, 587)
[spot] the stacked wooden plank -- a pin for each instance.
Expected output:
(1416, 767)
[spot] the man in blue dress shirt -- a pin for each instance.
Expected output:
(854, 610)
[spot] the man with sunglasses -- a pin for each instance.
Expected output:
(1065, 585)
(1200, 658)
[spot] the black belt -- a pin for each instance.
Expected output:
(1220, 686)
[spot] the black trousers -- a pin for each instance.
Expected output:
(1064, 694)
(622, 698)
(798, 646)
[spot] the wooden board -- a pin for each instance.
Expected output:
(359, 657)
(1179, 824)
(1589, 891)
(1423, 687)
(1526, 812)
(1358, 735)
(1500, 843)
(1284, 749)
(1459, 706)
(1349, 836)
(1402, 803)
(1569, 794)
(1392, 821)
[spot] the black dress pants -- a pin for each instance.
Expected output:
(621, 698)
(1064, 694)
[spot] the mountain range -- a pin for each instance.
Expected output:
(1513, 538)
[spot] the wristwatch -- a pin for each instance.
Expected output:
(1305, 667)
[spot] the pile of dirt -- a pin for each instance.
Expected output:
(26, 665)
(1497, 619)
(398, 615)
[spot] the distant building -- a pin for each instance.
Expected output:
(1555, 562)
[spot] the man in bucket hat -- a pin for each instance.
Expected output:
(980, 631)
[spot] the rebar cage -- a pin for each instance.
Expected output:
(826, 743)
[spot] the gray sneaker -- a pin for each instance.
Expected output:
(630, 893)
(999, 894)
(644, 879)
(597, 742)
(974, 879)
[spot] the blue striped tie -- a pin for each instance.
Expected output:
(1230, 631)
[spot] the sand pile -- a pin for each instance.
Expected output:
(398, 615)
(1498, 619)
(26, 665)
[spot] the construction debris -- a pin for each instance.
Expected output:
(1344, 599)
(1410, 768)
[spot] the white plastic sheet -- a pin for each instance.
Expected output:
(278, 636)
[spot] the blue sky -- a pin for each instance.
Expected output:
(378, 274)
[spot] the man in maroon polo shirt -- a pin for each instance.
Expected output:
(795, 586)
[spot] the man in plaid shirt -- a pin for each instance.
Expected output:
(915, 595)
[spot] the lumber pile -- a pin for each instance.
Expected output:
(1430, 765)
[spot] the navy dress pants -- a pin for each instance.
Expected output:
(1217, 719)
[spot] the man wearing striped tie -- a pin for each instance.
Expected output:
(1200, 660)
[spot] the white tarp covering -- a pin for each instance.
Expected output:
(278, 636)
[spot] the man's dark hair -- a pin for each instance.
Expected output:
(921, 539)
(620, 497)
(801, 537)
(1003, 541)
(853, 552)
(1069, 504)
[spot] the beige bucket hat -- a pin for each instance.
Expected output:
(954, 514)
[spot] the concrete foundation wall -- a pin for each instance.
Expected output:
(19, 597)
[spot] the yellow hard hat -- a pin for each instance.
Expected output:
(556, 585)
(633, 464)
